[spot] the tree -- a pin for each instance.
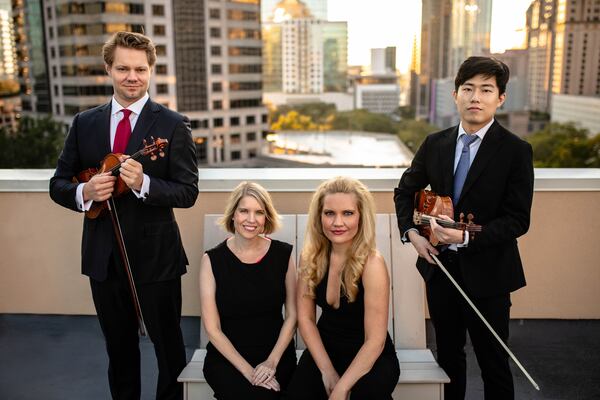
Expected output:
(363, 120)
(413, 132)
(320, 113)
(565, 146)
(36, 144)
(294, 121)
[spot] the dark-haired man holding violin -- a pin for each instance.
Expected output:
(151, 235)
(488, 172)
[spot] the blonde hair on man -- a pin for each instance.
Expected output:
(261, 195)
(317, 247)
(128, 40)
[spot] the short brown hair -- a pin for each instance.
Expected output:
(261, 195)
(128, 40)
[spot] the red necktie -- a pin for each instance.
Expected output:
(123, 133)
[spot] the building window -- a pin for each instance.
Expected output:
(250, 120)
(234, 121)
(236, 155)
(161, 69)
(201, 149)
(215, 33)
(54, 71)
(217, 104)
(162, 88)
(214, 13)
(56, 90)
(265, 118)
(215, 69)
(245, 68)
(159, 30)
(161, 50)
(252, 153)
(217, 87)
(245, 103)
(251, 136)
(217, 122)
(245, 51)
(215, 51)
(158, 10)
(52, 52)
(235, 138)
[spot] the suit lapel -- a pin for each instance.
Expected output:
(142, 127)
(447, 151)
(102, 121)
(490, 144)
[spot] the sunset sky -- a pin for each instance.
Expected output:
(385, 23)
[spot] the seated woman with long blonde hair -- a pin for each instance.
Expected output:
(244, 282)
(350, 354)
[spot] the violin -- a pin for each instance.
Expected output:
(429, 205)
(111, 163)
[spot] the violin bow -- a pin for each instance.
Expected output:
(125, 258)
(487, 324)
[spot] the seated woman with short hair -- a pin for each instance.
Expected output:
(350, 354)
(244, 282)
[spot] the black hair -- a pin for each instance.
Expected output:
(486, 66)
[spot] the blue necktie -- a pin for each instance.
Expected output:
(460, 175)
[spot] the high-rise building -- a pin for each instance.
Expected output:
(434, 49)
(317, 8)
(208, 65)
(383, 60)
(32, 63)
(8, 58)
(471, 31)
(303, 54)
(563, 38)
(218, 53)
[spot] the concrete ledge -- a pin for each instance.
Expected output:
(307, 179)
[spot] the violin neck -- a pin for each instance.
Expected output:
(443, 222)
(115, 170)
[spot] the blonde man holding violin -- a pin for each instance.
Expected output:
(141, 223)
(487, 172)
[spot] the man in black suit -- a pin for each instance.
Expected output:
(150, 232)
(488, 172)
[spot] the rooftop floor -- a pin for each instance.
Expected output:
(60, 357)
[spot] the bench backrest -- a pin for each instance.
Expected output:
(406, 323)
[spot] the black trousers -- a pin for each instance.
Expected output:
(161, 309)
(452, 317)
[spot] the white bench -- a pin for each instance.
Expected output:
(420, 376)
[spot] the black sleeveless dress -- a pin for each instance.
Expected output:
(249, 298)
(342, 332)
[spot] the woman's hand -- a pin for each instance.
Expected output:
(339, 394)
(264, 372)
(330, 379)
(272, 384)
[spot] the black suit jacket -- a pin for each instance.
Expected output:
(498, 191)
(151, 233)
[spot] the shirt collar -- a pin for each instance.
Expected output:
(481, 133)
(136, 107)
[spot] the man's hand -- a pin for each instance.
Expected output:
(132, 173)
(446, 235)
(99, 187)
(422, 246)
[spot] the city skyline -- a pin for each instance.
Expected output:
(401, 22)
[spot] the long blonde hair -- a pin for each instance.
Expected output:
(317, 248)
